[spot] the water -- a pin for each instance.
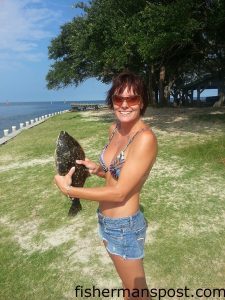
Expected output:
(14, 113)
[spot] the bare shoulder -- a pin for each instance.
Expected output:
(147, 139)
(145, 144)
(143, 150)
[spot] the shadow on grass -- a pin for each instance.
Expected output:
(188, 120)
(94, 116)
(217, 117)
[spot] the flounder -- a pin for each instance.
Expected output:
(67, 151)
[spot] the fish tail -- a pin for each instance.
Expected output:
(75, 207)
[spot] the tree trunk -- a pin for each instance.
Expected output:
(167, 90)
(150, 90)
(162, 99)
(198, 96)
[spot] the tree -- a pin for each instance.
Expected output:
(166, 42)
(93, 45)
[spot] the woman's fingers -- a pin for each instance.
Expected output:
(90, 165)
(79, 161)
(86, 162)
(71, 171)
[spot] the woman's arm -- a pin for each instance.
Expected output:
(138, 163)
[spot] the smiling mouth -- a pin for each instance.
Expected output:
(125, 112)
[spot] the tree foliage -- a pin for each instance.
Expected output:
(164, 41)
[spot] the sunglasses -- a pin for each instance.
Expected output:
(131, 100)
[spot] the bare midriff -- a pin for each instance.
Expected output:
(130, 205)
(125, 208)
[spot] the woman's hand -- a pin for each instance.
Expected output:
(92, 167)
(64, 182)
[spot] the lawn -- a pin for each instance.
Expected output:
(45, 254)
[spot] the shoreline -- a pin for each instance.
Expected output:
(8, 136)
(21, 112)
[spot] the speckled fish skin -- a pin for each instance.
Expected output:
(68, 150)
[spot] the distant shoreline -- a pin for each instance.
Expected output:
(14, 113)
(33, 123)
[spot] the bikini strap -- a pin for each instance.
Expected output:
(112, 134)
(132, 138)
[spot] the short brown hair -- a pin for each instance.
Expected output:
(132, 81)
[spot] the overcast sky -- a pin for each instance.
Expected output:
(26, 29)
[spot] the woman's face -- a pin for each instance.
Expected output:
(127, 113)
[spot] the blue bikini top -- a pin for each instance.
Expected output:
(117, 163)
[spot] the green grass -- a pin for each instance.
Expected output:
(45, 254)
(212, 117)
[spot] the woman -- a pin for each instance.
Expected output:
(125, 163)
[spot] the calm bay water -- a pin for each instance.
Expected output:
(14, 113)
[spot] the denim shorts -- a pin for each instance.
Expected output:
(124, 236)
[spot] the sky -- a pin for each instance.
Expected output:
(26, 30)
